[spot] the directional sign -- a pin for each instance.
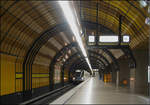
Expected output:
(91, 38)
(108, 39)
(126, 39)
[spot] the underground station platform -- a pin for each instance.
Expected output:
(74, 52)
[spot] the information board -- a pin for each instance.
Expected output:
(125, 39)
(108, 39)
(91, 39)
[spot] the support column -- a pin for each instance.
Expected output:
(111, 77)
(62, 77)
(117, 79)
(103, 77)
(120, 24)
(149, 80)
(132, 79)
(149, 66)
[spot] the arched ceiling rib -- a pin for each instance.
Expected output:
(109, 11)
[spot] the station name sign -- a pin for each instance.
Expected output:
(108, 39)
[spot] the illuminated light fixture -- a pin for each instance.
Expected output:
(126, 39)
(69, 51)
(92, 33)
(66, 56)
(147, 21)
(64, 59)
(65, 44)
(72, 19)
(65, 78)
(87, 60)
(95, 70)
(143, 3)
(91, 39)
(108, 39)
(132, 79)
(78, 71)
(73, 39)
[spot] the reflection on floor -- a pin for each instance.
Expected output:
(97, 92)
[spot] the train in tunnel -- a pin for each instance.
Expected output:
(80, 76)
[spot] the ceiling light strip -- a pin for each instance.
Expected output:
(72, 19)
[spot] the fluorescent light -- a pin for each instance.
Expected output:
(108, 39)
(72, 19)
(78, 71)
(73, 23)
(87, 60)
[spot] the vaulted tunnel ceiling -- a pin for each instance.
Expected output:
(23, 22)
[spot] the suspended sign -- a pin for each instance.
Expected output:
(108, 39)
(148, 74)
(126, 39)
(95, 70)
(91, 40)
(78, 70)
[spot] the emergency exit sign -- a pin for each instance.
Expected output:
(148, 74)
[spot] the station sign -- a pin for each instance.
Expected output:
(95, 70)
(109, 40)
(126, 39)
(91, 40)
(78, 71)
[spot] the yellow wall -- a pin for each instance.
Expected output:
(40, 76)
(107, 78)
(19, 75)
(12, 75)
(7, 74)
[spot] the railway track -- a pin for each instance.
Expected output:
(49, 97)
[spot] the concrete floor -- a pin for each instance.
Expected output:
(96, 92)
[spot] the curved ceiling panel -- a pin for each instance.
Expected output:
(133, 22)
(23, 22)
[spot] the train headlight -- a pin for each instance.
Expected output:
(82, 78)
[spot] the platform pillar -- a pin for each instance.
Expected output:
(132, 79)
(117, 79)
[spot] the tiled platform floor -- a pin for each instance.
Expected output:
(96, 92)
